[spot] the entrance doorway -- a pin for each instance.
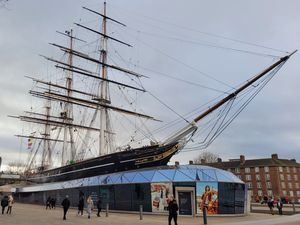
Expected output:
(184, 203)
(186, 200)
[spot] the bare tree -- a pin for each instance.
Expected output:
(208, 157)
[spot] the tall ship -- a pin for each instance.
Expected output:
(78, 110)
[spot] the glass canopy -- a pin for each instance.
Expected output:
(165, 174)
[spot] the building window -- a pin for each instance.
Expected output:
(247, 170)
(295, 169)
(258, 185)
(248, 177)
(266, 169)
(291, 193)
(284, 193)
(289, 177)
(249, 184)
(269, 185)
(297, 185)
(280, 169)
(296, 177)
(287, 169)
(237, 170)
(290, 185)
(256, 169)
(267, 176)
(239, 176)
(250, 193)
(281, 177)
(257, 177)
(282, 185)
(259, 193)
(270, 193)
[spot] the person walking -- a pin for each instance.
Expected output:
(53, 203)
(271, 205)
(279, 206)
(66, 205)
(173, 208)
(80, 204)
(4, 203)
(48, 203)
(90, 205)
(10, 204)
(99, 206)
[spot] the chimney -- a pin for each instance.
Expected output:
(176, 163)
(191, 162)
(202, 161)
(242, 159)
(219, 160)
(274, 156)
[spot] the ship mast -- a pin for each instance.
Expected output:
(67, 114)
(103, 89)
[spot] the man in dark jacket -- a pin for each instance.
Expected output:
(173, 208)
(66, 205)
(99, 206)
(4, 203)
(80, 204)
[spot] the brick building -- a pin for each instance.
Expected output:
(266, 177)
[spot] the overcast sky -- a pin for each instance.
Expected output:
(171, 37)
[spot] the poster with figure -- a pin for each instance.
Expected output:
(161, 193)
(207, 196)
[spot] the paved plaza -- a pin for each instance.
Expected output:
(25, 214)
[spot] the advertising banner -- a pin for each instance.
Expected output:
(160, 195)
(207, 196)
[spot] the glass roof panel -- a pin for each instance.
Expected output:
(148, 174)
(139, 178)
(192, 173)
(168, 173)
(158, 177)
(206, 175)
(129, 175)
(221, 176)
(179, 176)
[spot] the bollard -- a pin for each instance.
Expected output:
(107, 207)
(204, 216)
(141, 212)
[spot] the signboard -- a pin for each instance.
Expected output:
(207, 196)
(160, 195)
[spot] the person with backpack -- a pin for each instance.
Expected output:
(271, 205)
(4, 203)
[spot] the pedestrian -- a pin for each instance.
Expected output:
(80, 204)
(48, 203)
(271, 205)
(279, 206)
(90, 205)
(10, 204)
(4, 203)
(99, 206)
(53, 203)
(173, 208)
(66, 205)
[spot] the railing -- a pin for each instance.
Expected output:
(287, 209)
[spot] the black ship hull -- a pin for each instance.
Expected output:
(149, 156)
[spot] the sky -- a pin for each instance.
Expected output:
(177, 38)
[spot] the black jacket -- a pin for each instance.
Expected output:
(173, 208)
(4, 201)
(66, 203)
